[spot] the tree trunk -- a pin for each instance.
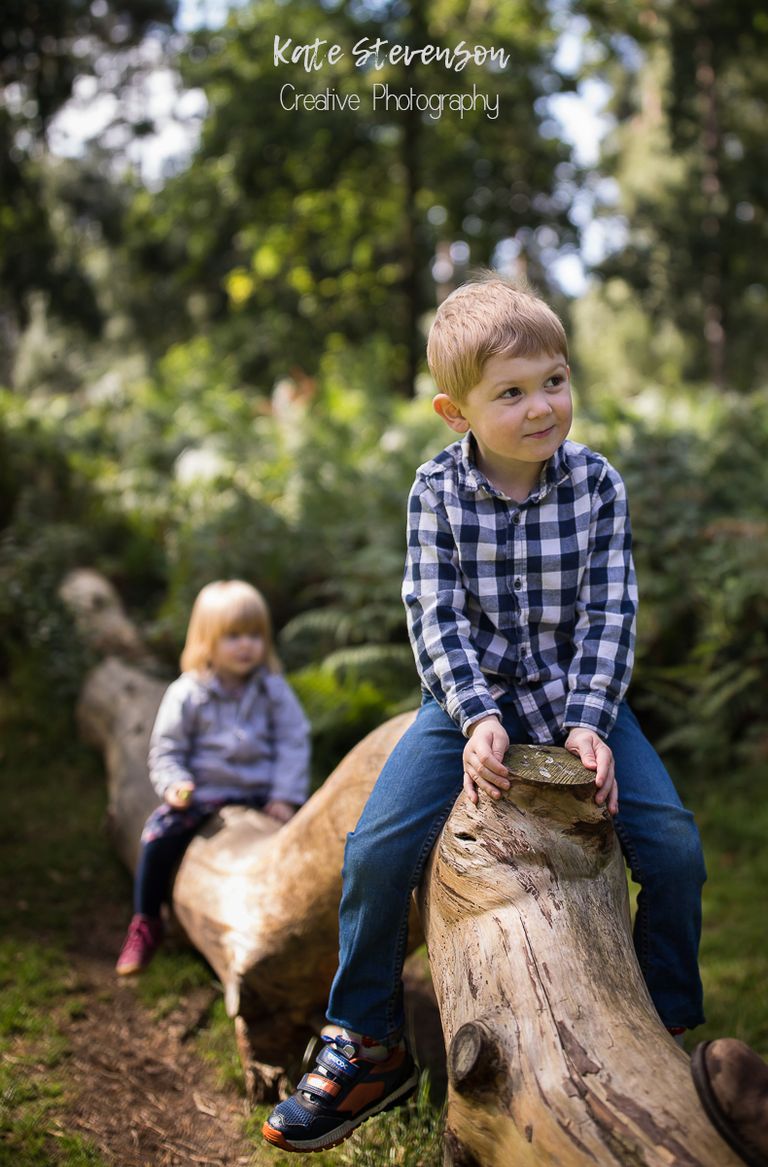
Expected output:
(556, 1055)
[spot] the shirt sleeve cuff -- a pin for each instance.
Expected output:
(589, 711)
(468, 706)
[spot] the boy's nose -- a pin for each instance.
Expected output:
(539, 406)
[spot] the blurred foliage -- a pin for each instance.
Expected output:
(205, 379)
(44, 48)
(52, 519)
(696, 467)
(292, 225)
(686, 213)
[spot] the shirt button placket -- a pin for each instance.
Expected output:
(518, 581)
(511, 554)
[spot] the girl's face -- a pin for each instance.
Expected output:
(236, 654)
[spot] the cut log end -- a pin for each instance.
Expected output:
(546, 766)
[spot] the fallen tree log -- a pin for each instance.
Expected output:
(258, 901)
(556, 1055)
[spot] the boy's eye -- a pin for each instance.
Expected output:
(513, 391)
(556, 380)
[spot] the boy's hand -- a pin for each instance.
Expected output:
(596, 755)
(282, 811)
(179, 795)
(484, 767)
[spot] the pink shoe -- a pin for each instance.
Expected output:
(140, 944)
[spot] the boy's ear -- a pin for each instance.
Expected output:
(450, 413)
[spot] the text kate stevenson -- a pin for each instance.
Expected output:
(381, 52)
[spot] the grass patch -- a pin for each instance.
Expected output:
(56, 865)
(216, 1043)
(172, 974)
(732, 811)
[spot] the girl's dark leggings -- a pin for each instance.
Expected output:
(157, 862)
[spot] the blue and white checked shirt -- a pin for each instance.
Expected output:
(537, 599)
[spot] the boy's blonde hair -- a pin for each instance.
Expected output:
(224, 607)
(484, 317)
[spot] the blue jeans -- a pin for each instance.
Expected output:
(386, 853)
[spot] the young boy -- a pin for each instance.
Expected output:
(521, 598)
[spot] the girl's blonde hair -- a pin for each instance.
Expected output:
(224, 607)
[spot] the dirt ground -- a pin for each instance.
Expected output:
(142, 1093)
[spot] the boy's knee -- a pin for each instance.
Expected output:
(670, 856)
(680, 858)
(359, 859)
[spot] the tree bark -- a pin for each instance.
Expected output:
(556, 1055)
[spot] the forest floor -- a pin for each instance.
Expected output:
(139, 1089)
(102, 1071)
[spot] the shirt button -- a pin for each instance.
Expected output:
(518, 584)
(516, 518)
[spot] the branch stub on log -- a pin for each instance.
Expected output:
(474, 1059)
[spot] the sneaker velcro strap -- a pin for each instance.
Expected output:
(317, 1084)
(337, 1063)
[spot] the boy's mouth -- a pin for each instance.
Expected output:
(541, 433)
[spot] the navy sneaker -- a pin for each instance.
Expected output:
(340, 1093)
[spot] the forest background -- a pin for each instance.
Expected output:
(213, 358)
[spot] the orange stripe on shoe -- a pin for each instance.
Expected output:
(319, 1082)
(361, 1097)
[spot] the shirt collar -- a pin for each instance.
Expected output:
(553, 472)
(215, 687)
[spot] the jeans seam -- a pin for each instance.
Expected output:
(402, 938)
(642, 924)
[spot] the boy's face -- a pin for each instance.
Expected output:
(519, 413)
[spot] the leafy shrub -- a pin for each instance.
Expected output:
(183, 477)
(697, 475)
(53, 520)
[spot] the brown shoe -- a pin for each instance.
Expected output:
(732, 1083)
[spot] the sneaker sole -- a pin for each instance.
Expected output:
(333, 1138)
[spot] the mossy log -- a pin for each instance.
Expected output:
(556, 1054)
